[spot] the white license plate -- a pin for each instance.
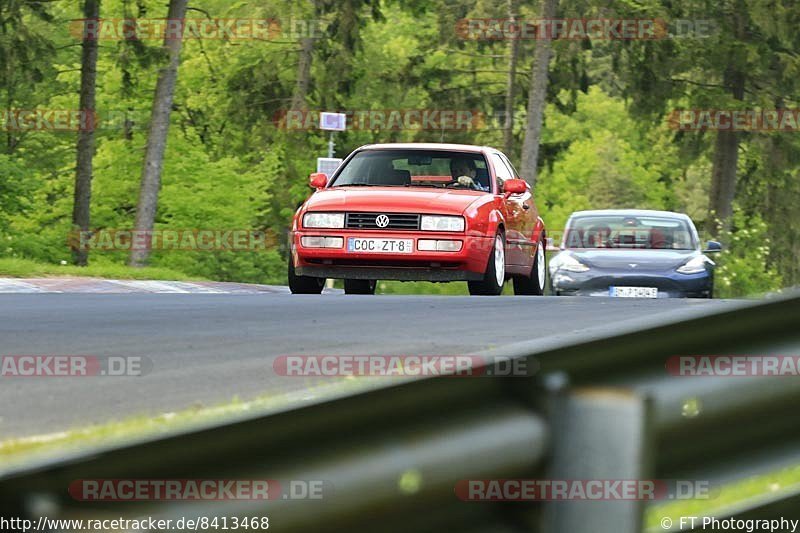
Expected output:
(633, 292)
(380, 246)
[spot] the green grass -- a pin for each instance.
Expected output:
(421, 287)
(25, 268)
(115, 432)
(725, 497)
(456, 288)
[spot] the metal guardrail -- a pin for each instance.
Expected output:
(601, 406)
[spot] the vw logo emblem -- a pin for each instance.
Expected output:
(381, 221)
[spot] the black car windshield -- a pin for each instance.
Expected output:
(415, 168)
(647, 232)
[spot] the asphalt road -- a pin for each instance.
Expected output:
(205, 349)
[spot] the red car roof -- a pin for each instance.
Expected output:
(427, 146)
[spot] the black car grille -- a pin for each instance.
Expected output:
(397, 221)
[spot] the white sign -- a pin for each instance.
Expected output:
(328, 165)
(332, 121)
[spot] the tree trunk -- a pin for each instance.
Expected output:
(726, 158)
(723, 181)
(304, 68)
(536, 98)
(81, 208)
(513, 53)
(159, 127)
(303, 73)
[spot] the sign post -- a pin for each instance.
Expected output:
(332, 122)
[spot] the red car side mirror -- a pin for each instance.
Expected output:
(318, 180)
(515, 186)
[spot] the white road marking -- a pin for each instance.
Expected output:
(150, 286)
(14, 285)
(119, 286)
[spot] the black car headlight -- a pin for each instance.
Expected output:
(695, 265)
(567, 263)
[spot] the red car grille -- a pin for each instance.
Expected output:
(397, 221)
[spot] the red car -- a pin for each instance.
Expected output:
(419, 212)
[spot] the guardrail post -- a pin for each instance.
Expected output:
(597, 434)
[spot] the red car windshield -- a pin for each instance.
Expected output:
(646, 232)
(414, 168)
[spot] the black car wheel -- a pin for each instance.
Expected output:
(304, 284)
(360, 286)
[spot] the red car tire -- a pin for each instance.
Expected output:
(494, 277)
(304, 284)
(534, 284)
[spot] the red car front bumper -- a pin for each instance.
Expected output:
(338, 263)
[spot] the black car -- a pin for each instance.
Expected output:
(633, 253)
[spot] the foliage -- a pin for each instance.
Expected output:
(605, 161)
(743, 268)
(231, 165)
(15, 191)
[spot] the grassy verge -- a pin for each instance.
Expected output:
(421, 287)
(726, 497)
(456, 288)
(22, 449)
(25, 268)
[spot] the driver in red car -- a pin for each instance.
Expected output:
(465, 174)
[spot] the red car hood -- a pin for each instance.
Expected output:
(393, 200)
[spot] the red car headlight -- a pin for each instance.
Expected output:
(323, 220)
(441, 223)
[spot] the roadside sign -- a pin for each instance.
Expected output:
(332, 121)
(328, 165)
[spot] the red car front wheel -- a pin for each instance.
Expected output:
(304, 284)
(495, 276)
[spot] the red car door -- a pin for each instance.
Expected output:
(529, 220)
(514, 212)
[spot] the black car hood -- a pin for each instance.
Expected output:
(638, 260)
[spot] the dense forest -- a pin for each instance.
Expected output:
(203, 131)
